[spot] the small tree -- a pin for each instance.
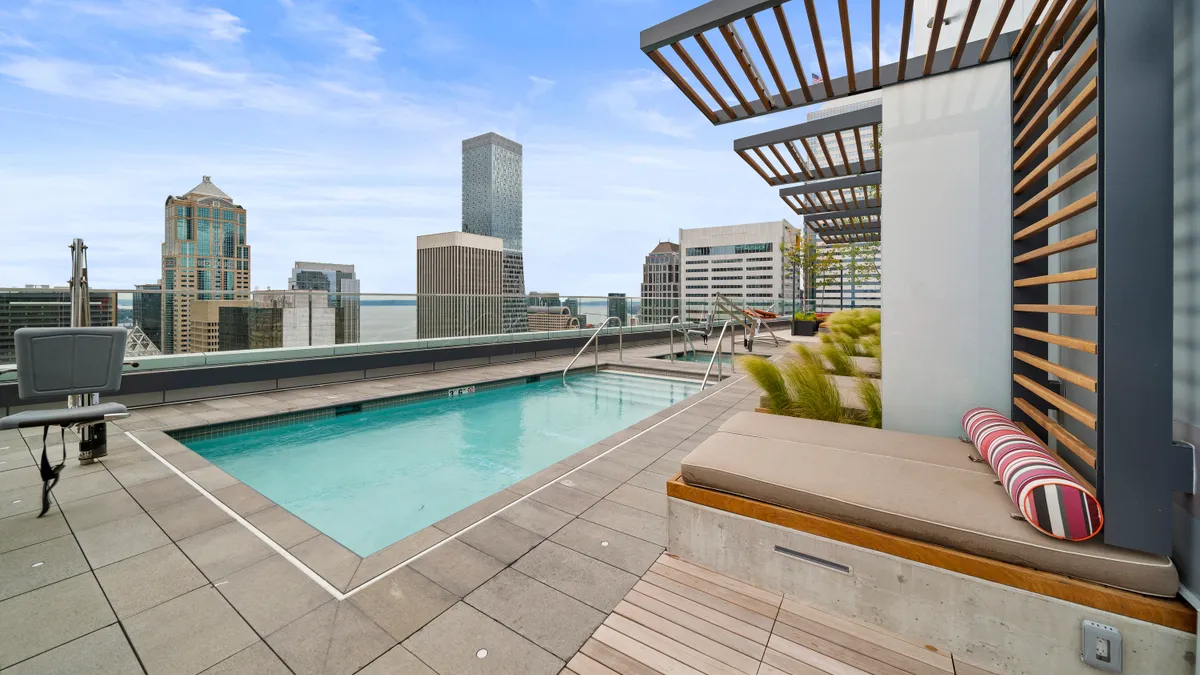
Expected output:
(857, 262)
(809, 261)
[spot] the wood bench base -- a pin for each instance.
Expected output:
(1170, 613)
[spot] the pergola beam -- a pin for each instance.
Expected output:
(860, 180)
(712, 14)
(842, 215)
(818, 127)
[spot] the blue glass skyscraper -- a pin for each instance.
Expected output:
(491, 206)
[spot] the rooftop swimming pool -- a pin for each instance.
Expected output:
(369, 475)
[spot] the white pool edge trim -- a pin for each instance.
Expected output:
(245, 523)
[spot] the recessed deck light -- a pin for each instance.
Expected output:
(16, 501)
(604, 543)
(37, 564)
(482, 653)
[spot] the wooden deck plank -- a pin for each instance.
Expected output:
(843, 654)
(614, 660)
(816, 659)
(716, 617)
(670, 647)
(642, 653)
(687, 637)
(582, 664)
(736, 611)
(697, 624)
(768, 610)
(779, 662)
(760, 594)
(867, 647)
(895, 643)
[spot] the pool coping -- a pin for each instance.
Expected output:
(324, 560)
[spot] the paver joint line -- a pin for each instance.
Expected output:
(245, 523)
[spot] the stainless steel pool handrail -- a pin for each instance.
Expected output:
(717, 354)
(620, 345)
(687, 339)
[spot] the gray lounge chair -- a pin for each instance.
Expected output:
(53, 363)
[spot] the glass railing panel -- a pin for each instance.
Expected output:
(188, 328)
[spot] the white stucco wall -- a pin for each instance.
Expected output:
(946, 249)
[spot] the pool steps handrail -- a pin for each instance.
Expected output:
(717, 354)
(687, 339)
(620, 346)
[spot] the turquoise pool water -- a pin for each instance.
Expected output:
(368, 479)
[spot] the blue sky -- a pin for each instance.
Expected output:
(338, 126)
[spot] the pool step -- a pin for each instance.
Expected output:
(690, 375)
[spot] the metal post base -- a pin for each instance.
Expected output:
(93, 443)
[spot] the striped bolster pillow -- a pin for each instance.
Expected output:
(1049, 498)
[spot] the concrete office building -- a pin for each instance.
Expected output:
(250, 327)
(204, 257)
(741, 262)
(618, 306)
(459, 283)
(546, 299)
(204, 323)
(46, 307)
(660, 284)
(543, 317)
(345, 299)
(147, 311)
(492, 207)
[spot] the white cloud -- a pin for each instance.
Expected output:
(432, 38)
(622, 99)
(314, 19)
(13, 40)
(540, 85)
(189, 85)
(169, 16)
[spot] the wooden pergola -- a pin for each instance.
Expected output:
(1091, 379)
(689, 37)
(827, 147)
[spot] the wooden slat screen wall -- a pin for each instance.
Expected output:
(1055, 124)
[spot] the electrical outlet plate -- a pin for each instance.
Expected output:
(1101, 647)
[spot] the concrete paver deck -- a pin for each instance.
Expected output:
(141, 567)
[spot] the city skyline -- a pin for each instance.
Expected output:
(345, 154)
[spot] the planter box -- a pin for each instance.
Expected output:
(808, 328)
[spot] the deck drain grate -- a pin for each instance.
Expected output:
(827, 564)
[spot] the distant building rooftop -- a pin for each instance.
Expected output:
(492, 138)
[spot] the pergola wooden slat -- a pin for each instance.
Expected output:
(821, 162)
(720, 16)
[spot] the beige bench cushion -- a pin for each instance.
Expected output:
(961, 508)
(948, 452)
